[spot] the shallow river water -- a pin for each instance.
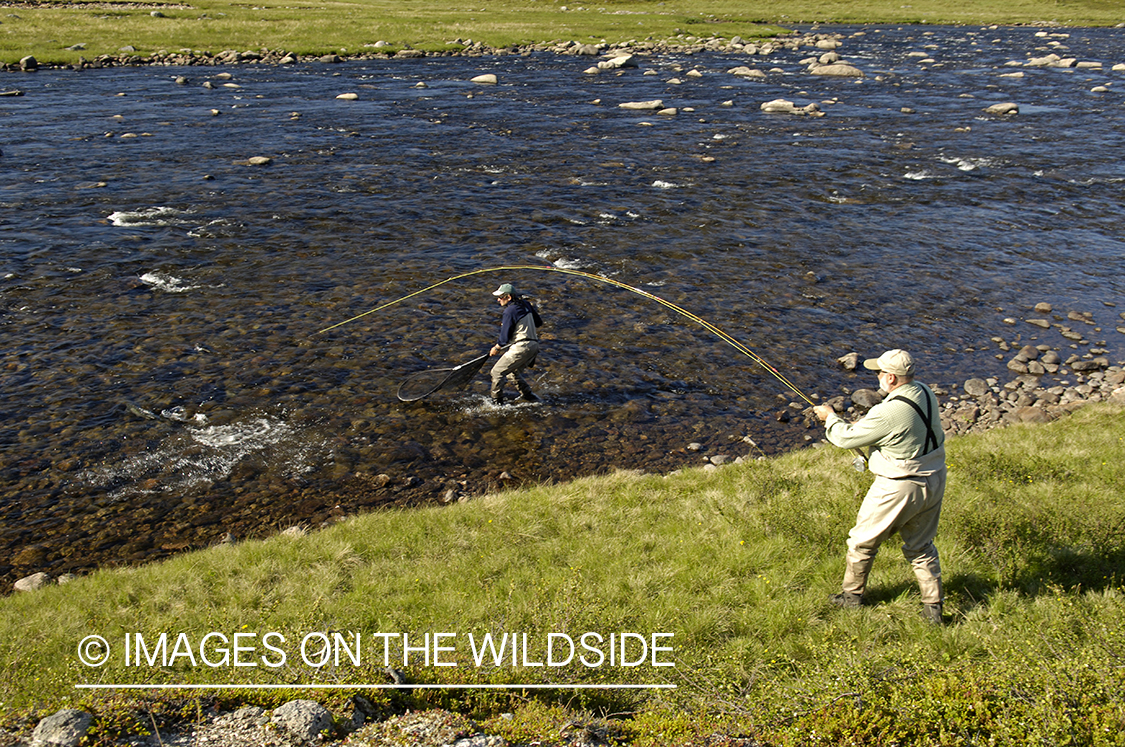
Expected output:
(165, 381)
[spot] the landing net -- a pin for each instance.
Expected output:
(424, 383)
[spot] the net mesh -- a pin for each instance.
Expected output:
(424, 383)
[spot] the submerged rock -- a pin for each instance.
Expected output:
(745, 72)
(784, 106)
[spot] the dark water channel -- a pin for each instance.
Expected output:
(164, 382)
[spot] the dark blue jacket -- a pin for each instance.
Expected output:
(517, 309)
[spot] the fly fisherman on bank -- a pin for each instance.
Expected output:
(518, 334)
(908, 459)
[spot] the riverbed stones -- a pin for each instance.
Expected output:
(1080, 316)
(743, 71)
(618, 62)
(348, 96)
(29, 64)
(1051, 60)
(1093, 364)
(65, 728)
(32, 555)
(784, 106)
(651, 105)
(488, 79)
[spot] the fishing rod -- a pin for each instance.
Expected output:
(736, 344)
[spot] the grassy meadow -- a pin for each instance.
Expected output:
(51, 30)
(735, 564)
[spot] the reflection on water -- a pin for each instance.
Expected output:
(164, 382)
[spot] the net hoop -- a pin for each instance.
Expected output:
(413, 389)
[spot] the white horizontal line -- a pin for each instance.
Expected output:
(556, 686)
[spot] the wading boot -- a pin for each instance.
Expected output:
(526, 395)
(932, 613)
(846, 599)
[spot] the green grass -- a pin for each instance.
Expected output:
(736, 563)
(47, 31)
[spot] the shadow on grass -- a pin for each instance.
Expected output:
(1060, 568)
(1043, 572)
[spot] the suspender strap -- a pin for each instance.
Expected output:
(926, 417)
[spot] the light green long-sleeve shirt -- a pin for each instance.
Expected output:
(891, 427)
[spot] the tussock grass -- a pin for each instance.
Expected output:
(736, 563)
(47, 31)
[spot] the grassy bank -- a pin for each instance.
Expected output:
(735, 564)
(52, 31)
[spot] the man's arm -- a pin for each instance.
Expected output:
(866, 432)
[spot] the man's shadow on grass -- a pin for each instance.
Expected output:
(1043, 572)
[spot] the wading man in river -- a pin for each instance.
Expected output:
(518, 335)
(908, 458)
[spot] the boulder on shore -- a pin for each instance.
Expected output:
(34, 582)
(63, 729)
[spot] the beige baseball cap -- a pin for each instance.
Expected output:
(897, 362)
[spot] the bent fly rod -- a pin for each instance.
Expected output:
(737, 345)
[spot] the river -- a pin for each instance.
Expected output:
(161, 298)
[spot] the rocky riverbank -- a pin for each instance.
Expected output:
(298, 723)
(1047, 381)
(303, 723)
(682, 45)
(826, 61)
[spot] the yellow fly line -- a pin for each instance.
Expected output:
(740, 347)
